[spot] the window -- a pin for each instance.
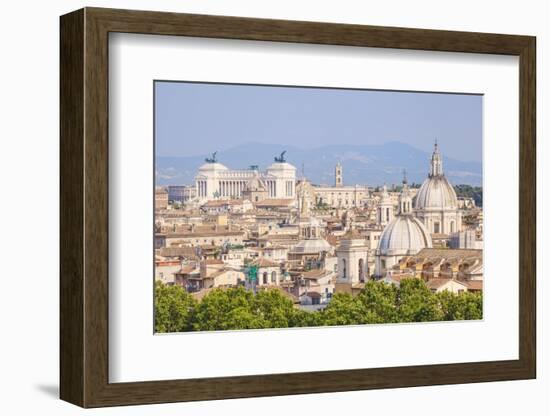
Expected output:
(273, 276)
(344, 268)
(436, 227)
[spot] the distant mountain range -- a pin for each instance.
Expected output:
(362, 164)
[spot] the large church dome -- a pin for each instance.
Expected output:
(436, 193)
(405, 234)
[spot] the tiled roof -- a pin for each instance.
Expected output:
(315, 274)
(189, 268)
(213, 261)
(313, 295)
(263, 262)
(274, 203)
(474, 284)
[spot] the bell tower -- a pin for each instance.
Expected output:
(405, 199)
(384, 211)
(338, 177)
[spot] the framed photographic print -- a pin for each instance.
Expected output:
(255, 207)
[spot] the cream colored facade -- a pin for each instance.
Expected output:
(342, 196)
(338, 196)
(449, 285)
(214, 181)
(215, 238)
(161, 198)
(352, 256)
(165, 270)
(385, 208)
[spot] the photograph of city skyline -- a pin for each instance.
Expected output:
(288, 206)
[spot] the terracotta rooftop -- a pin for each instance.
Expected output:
(199, 233)
(274, 203)
(263, 262)
(315, 274)
(222, 202)
(213, 261)
(474, 284)
(313, 295)
(188, 268)
(279, 237)
(448, 253)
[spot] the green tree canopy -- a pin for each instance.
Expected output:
(378, 302)
(416, 303)
(463, 306)
(174, 308)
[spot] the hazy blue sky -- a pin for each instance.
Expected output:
(196, 119)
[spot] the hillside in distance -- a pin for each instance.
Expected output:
(370, 165)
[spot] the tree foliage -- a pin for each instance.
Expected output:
(465, 306)
(174, 308)
(468, 191)
(377, 303)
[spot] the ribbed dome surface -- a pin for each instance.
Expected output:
(316, 245)
(436, 193)
(404, 234)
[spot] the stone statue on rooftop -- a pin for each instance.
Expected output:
(281, 158)
(211, 159)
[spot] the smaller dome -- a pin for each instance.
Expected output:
(405, 234)
(436, 193)
(211, 167)
(316, 245)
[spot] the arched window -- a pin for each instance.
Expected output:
(273, 276)
(361, 271)
(452, 226)
(265, 278)
(344, 271)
